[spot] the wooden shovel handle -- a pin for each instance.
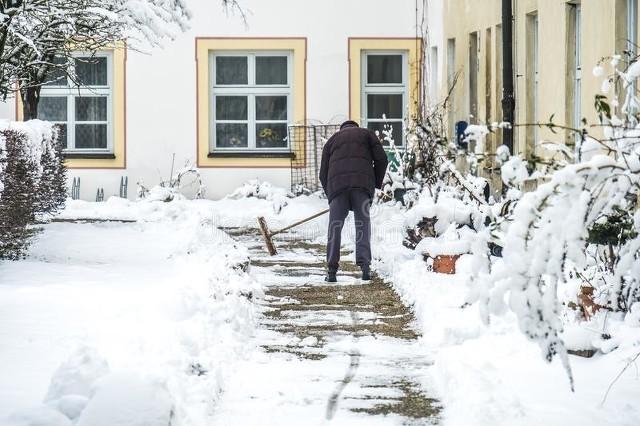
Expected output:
(293, 225)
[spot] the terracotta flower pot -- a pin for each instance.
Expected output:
(445, 264)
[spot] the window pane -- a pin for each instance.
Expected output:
(92, 71)
(271, 70)
(396, 132)
(387, 105)
(58, 75)
(271, 107)
(91, 108)
(52, 108)
(231, 135)
(91, 136)
(231, 70)
(383, 69)
(231, 107)
(271, 135)
(62, 135)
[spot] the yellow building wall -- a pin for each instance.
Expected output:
(462, 17)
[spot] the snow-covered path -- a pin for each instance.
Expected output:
(345, 352)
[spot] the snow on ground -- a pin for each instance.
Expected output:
(131, 304)
(146, 316)
(483, 375)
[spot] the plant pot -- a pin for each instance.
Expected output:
(445, 264)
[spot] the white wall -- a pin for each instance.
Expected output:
(161, 92)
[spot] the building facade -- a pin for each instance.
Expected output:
(557, 44)
(222, 94)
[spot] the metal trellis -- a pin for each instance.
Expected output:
(306, 142)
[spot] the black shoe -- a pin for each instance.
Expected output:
(331, 277)
(366, 274)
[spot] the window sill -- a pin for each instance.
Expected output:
(90, 155)
(237, 154)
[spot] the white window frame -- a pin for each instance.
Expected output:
(72, 92)
(251, 90)
(384, 89)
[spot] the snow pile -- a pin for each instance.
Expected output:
(262, 190)
(153, 316)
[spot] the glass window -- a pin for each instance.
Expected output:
(394, 127)
(231, 107)
(384, 93)
(231, 70)
(271, 70)
(91, 108)
(384, 69)
(92, 71)
(250, 98)
(232, 135)
(384, 106)
(57, 76)
(52, 108)
(271, 108)
(91, 136)
(82, 113)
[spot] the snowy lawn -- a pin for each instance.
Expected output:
(146, 316)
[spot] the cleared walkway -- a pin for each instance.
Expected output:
(344, 353)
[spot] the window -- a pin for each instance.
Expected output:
(84, 111)
(499, 87)
(474, 45)
(451, 80)
(250, 101)
(574, 70)
(433, 78)
(385, 93)
(532, 80)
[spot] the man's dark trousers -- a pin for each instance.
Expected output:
(359, 201)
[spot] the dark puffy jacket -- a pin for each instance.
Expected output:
(352, 158)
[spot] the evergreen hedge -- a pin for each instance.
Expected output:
(32, 182)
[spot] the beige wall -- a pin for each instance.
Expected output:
(462, 17)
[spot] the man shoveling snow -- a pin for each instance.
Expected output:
(353, 166)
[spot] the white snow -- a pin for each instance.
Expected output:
(99, 311)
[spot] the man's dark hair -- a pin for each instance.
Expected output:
(349, 123)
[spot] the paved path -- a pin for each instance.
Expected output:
(340, 354)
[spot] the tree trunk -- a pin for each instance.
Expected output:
(30, 98)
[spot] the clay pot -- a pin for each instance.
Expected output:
(445, 264)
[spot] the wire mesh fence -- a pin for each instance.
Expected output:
(306, 144)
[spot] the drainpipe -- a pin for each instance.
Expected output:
(508, 99)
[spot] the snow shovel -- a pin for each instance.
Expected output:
(268, 235)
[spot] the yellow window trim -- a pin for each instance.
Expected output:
(205, 45)
(413, 47)
(119, 118)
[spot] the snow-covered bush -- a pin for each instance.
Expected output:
(186, 183)
(32, 181)
(578, 229)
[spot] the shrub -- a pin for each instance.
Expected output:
(32, 182)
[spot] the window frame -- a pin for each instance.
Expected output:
(72, 92)
(251, 90)
(384, 89)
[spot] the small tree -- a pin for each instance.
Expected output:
(38, 38)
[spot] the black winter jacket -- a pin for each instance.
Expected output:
(352, 158)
